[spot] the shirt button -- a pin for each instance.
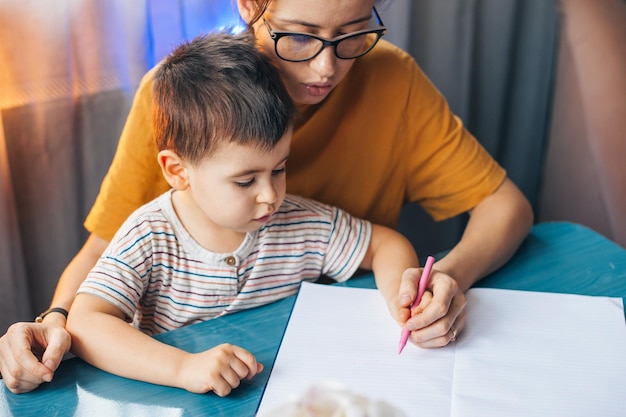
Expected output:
(230, 260)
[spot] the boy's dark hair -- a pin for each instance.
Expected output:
(218, 87)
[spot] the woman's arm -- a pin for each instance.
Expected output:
(76, 272)
(496, 228)
(31, 352)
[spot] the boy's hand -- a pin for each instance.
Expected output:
(439, 317)
(219, 369)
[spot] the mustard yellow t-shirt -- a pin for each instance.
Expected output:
(383, 137)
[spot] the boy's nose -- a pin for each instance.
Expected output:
(269, 195)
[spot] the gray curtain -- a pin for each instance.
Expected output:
(69, 68)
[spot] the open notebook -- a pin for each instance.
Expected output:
(520, 354)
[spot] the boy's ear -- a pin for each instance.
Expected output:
(174, 169)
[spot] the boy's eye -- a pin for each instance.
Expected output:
(245, 184)
(279, 171)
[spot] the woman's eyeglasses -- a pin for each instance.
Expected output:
(298, 47)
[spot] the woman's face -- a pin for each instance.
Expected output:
(309, 82)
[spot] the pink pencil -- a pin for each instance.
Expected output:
(404, 337)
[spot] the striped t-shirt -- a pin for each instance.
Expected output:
(162, 279)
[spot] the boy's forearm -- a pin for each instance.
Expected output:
(114, 346)
(392, 254)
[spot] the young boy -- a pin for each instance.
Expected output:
(225, 237)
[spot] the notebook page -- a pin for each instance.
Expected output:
(347, 336)
(521, 354)
(540, 354)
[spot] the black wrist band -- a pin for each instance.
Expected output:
(40, 317)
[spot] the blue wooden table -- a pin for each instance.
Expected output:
(556, 257)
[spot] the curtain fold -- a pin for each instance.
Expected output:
(68, 72)
(14, 300)
(585, 179)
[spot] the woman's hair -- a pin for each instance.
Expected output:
(261, 8)
(215, 88)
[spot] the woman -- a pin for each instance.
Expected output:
(373, 134)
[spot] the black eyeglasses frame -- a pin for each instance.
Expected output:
(277, 34)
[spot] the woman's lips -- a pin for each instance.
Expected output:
(318, 89)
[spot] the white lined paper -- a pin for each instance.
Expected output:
(521, 354)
